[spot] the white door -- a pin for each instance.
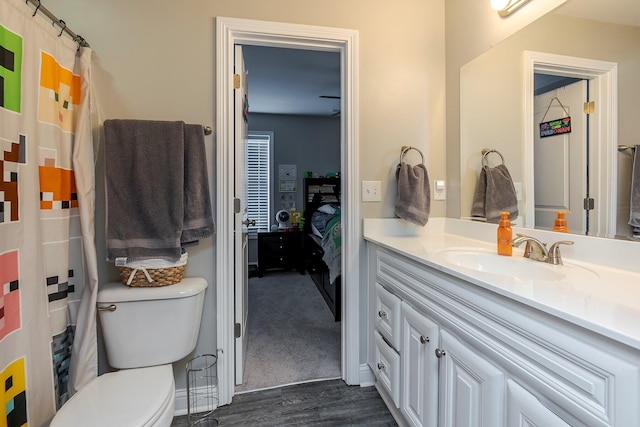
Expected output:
(241, 279)
(471, 388)
(419, 367)
(560, 161)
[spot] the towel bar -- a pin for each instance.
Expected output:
(207, 130)
(486, 152)
(626, 147)
(407, 148)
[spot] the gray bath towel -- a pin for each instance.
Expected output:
(198, 221)
(494, 193)
(144, 171)
(413, 201)
(634, 205)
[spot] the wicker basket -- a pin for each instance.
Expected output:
(153, 273)
(158, 276)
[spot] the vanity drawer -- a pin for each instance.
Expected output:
(387, 315)
(387, 368)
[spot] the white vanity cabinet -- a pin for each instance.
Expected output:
(470, 356)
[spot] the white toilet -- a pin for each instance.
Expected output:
(145, 330)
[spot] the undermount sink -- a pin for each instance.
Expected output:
(488, 262)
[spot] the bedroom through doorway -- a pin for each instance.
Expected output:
(293, 162)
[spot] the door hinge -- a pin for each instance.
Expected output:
(589, 107)
(236, 205)
(589, 204)
(236, 81)
(237, 330)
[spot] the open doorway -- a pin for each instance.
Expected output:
(602, 77)
(293, 151)
(229, 33)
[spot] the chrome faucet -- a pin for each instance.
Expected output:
(554, 252)
(537, 250)
(534, 249)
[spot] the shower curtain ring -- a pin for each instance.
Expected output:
(64, 25)
(37, 7)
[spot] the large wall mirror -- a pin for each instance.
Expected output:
(584, 51)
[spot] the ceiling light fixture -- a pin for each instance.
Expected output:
(507, 7)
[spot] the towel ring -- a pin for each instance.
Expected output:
(406, 148)
(486, 152)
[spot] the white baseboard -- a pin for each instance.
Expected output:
(181, 401)
(367, 378)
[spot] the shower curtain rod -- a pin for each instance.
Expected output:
(54, 20)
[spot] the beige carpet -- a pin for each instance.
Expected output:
(292, 334)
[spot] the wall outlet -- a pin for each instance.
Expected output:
(371, 191)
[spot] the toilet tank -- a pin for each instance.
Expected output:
(147, 326)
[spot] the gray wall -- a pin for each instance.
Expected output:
(312, 143)
(309, 142)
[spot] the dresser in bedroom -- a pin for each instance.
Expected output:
(280, 249)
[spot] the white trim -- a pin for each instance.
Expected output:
(605, 76)
(181, 400)
(231, 31)
(367, 378)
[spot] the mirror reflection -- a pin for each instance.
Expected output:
(584, 52)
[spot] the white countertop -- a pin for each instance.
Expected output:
(600, 285)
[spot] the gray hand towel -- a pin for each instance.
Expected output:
(479, 196)
(198, 221)
(144, 172)
(413, 201)
(500, 194)
(634, 204)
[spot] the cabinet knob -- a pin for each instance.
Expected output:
(423, 339)
(440, 353)
(382, 313)
(380, 366)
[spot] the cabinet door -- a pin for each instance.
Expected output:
(523, 409)
(419, 390)
(471, 388)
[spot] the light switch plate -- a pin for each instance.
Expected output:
(371, 191)
(439, 190)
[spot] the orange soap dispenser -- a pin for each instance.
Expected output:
(504, 235)
(560, 223)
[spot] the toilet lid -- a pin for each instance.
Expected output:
(130, 397)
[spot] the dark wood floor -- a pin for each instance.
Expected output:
(322, 403)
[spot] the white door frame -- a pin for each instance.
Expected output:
(231, 31)
(605, 77)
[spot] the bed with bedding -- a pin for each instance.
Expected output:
(323, 238)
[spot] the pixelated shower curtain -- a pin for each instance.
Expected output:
(48, 273)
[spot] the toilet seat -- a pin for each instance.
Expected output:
(130, 397)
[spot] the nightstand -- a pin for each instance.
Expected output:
(280, 249)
